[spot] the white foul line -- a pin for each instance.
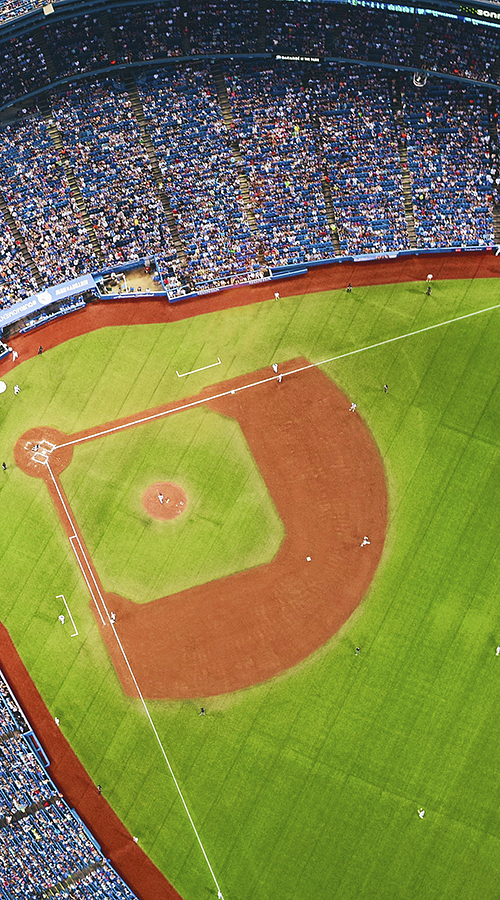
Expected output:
(178, 409)
(211, 366)
(74, 536)
(62, 597)
(245, 387)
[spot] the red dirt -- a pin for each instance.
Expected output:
(79, 790)
(173, 500)
(325, 475)
(139, 311)
(126, 856)
(31, 449)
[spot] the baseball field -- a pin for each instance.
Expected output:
(305, 775)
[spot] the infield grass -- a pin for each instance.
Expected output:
(308, 785)
(229, 524)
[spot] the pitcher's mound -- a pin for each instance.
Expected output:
(164, 500)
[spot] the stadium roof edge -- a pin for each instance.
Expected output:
(69, 9)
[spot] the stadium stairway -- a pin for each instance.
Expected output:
(138, 109)
(41, 40)
(26, 811)
(325, 185)
(74, 878)
(227, 115)
(494, 159)
(418, 46)
(11, 222)
(44, 107)
(108, 34)
(397, 109)
(262, 26)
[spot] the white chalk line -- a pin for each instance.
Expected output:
(197, 403)
(245, 387)
(74, 536)
(193, 371)
(80, 563)
(63, 598)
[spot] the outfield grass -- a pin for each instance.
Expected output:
(308, 785)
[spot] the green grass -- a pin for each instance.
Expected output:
(308, 785)
(229, 524)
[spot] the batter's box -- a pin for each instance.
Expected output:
(40, 452)
(252, 616)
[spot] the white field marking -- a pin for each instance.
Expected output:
(187, 406)
(134, 679)
(63, 598)
(165, 757)
(211, 366)
(74, 537)
(91, 592)
(245, 387)
(39, 457)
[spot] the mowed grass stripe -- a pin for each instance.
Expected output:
(310, 783)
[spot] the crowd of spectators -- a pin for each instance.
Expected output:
(317, 29)
(104, 146)
(22, 67)
(11, 9)
(200, 173)
(37, 192)
(446, 128)
(360, 150)
(15, 275)
(44, 846)
(225, 26)
(278, 142)
(148, 32)
(331, 29)
(249, 190)
(459, 48)
(76, 45)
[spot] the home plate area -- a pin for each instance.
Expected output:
(39, 452)
(42, 451)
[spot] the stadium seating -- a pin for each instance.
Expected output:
(200, 174)
(45, 848)
(447, 133)
(103, 144)
(278, 143)
(301, 164)
(39, 197)
(359, 140)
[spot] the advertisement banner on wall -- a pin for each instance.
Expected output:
(44, 298)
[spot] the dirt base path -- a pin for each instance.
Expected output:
(325, 475)
(126, 856)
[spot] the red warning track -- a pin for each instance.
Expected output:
(66, 770)
(138, 311)
(143, 877)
